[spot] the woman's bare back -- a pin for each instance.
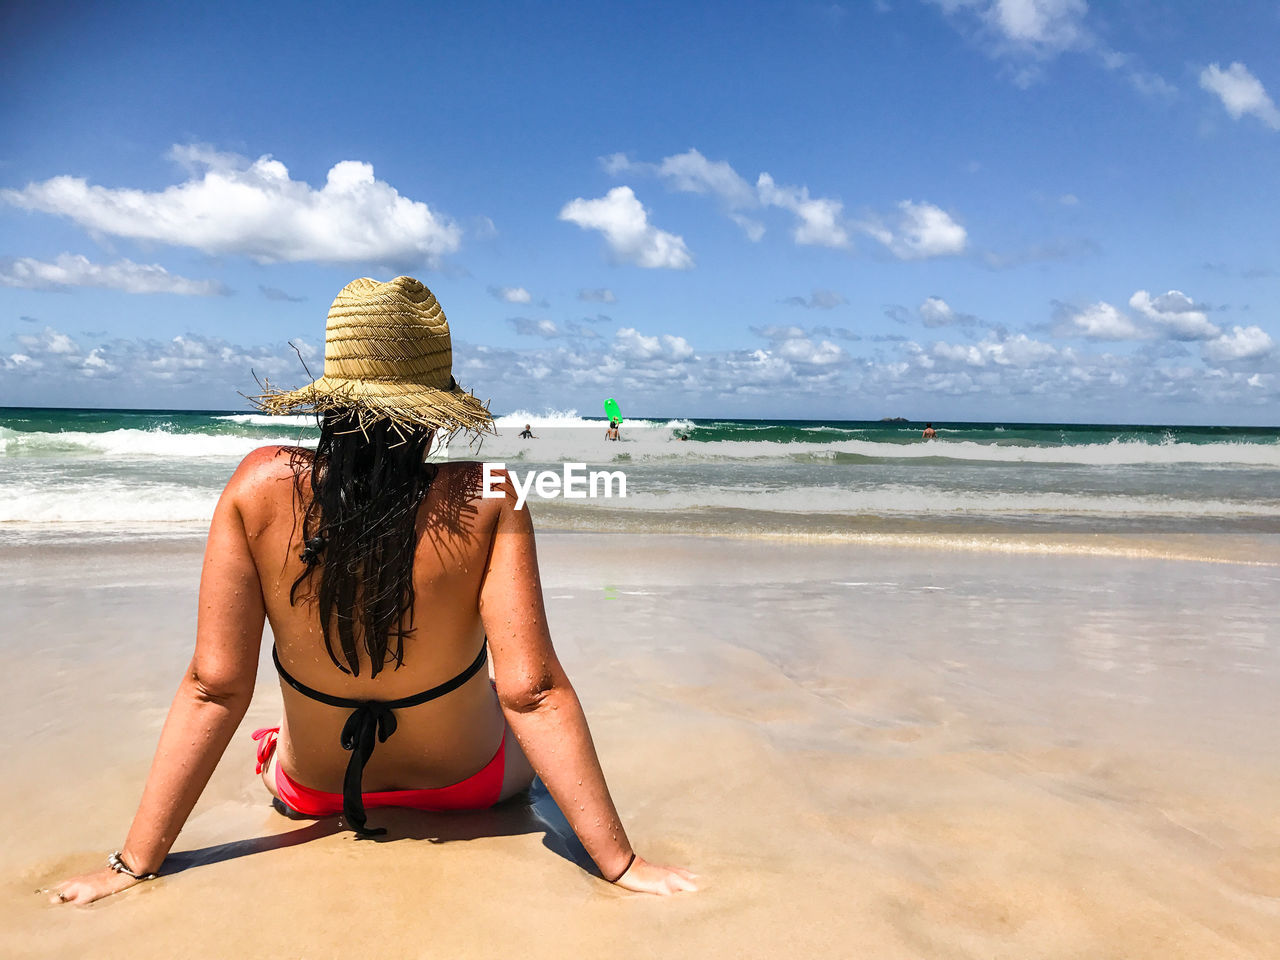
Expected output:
(436, 743)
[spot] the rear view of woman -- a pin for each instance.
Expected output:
(389, 584)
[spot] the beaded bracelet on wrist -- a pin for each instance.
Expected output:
(119, 866)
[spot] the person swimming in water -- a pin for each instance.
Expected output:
(612, 433)
(929, 432)
(527, 433)
(389, 583)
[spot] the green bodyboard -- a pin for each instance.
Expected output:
(611, 410)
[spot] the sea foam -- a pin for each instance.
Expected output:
(651, 440)
(107, 502)
(131, 443)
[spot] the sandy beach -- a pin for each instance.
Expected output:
(864, 750)
(895, 391)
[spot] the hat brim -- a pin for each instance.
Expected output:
(405, 404)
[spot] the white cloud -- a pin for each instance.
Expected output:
(936, 312)
(999, 373)
(1169, 316)
(920, 232)
(1151, 84)
(74, 270)
(819, 218)
(207, 364)
(1017, 351)
(233, 206)
(1039, 28)
(677, 348)
(795, 368)
(280, 296)
(960, 353)
(804, 350)
(1099, 321)
(776, 332)
(573, 328)
(1022, 351)
(1240, 92)
(526, 327)
(511, 294)
(797, 347)
(932, 312)
(597, 295)
(1048, 25)
(694, 173)
(691, 172)
(49, 341)
(616, 164)
(624, 222)
(1175, 315)
(753, 229)
(1242, 343)
(818, 300)
(1028, 33)
(634, 345)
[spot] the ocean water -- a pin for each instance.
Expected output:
(108, 473)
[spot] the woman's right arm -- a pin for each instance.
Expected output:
(544, 713)
(212, 698)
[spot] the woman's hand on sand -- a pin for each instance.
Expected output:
(89, 887)
(645, 877)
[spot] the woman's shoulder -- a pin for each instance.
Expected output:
(474, 479)
(463, 480)
(260, 474)
(272, 462)
(483, 488)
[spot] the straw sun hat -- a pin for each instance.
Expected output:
(387, 356)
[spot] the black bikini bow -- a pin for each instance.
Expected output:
(370, 718)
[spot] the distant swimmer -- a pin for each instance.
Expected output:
(684, 436)
(929, 432)
(527, 433)
(612, 432)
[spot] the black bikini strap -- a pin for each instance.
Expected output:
(349, 703)
(371, 719)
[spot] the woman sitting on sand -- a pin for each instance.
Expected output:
(385, 580)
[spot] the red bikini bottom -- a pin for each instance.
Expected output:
(478, 791)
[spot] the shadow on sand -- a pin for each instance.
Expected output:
(531, 812)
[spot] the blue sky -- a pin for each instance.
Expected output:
(941, 209)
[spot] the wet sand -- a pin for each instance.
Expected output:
(865, 750)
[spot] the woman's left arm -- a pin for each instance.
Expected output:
(211, 701)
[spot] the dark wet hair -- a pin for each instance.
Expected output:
(359, 535)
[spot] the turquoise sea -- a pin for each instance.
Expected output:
(111, 472)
